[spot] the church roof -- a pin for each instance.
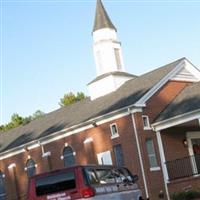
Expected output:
(102, 19)
(84, 111)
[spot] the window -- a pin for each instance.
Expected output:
(119, 155)
(30, 167)
(68, 156)
(146, 123)
(151, 153)
(2, 187)
(55, 183)
(104, 158)
(114, 130)
(118, 58)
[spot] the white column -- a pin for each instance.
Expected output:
(162, 158)
(199, 121)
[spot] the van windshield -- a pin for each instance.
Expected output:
(55, 183)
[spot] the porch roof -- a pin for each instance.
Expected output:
(187, 101)
(184, 108)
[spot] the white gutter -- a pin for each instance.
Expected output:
(174, 121)
(140, 156)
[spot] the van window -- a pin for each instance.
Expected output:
(105, 176)
(55, 183)
(108, 176)
(92, 177)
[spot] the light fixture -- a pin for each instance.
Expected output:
(94, 124)
(66, 144)
(185, 143)
(26, 149)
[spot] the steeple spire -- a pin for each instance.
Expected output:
(102, 19)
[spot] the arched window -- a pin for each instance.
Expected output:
(2, 186)
(68, 156)
(30, 167)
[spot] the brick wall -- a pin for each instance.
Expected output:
(86, 153)
(16, 187)
(156, 104)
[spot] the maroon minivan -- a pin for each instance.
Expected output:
(85, 182)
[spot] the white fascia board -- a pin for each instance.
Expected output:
(19, 149)
(157, 86)
(192, 69)
(10, 154)
(174, 121)
(70, 131)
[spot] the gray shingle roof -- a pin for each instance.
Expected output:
(187, 101)
(102, 19)
(117, 73)
(82, 111)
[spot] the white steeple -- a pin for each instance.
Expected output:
(107, 48)
(108, 56)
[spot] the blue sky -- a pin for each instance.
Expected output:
(47, 46)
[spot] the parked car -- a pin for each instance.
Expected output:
(85, 182)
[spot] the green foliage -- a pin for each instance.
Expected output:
(186, 195)
(71, 98)
(37, 114)
(17, 120)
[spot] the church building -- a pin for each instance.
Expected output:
(148, 123)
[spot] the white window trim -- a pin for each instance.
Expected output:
(148, 127)
(116, 134)
(152, 169)
(88, 140)
(11, 166)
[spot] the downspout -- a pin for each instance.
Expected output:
(162, 158)
(140, 156)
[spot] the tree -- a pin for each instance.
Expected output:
(37, 114)
(71, 98)
(17, 120)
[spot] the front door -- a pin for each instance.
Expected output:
(196, 150)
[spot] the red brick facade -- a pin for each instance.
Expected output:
(16, 178)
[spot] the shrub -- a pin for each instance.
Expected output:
(187, 195)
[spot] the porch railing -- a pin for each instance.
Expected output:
(184, 167)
